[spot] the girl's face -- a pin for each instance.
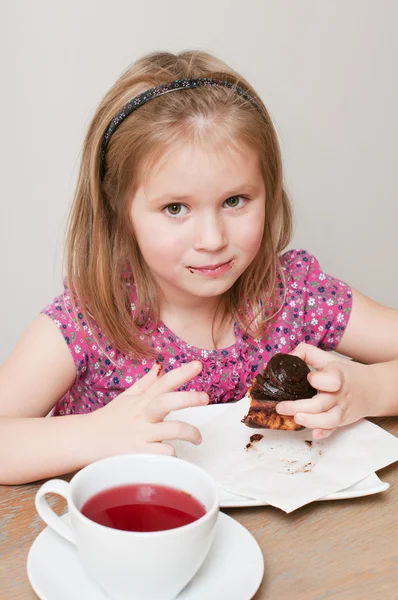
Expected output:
(199, 221)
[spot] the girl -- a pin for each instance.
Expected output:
(175, 264)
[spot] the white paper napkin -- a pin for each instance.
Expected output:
(286, 468)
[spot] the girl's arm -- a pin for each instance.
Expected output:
(40, 371)
(350, 390)
(372, 332)
(372, 338)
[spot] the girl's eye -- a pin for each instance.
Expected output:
(175, 210)
(235, 202)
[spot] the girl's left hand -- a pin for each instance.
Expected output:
(343, 392)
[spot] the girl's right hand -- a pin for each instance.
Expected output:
(134, 420)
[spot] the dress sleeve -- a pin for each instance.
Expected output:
(75, 331)
(321, 303)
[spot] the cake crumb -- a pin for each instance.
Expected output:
(256, 437)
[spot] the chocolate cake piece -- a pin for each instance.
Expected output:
(284, 378)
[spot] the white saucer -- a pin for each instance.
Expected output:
(366, 487)
(233, 568)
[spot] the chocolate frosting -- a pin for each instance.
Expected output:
(285, 378)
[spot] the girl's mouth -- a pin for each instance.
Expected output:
(212, 270)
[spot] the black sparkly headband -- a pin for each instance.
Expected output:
(164, 88)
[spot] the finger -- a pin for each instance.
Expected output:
(160, 448)
(313, 356)
(143, 384)
(325, 420)
(175, 430)
(319, 434)
(329, 380)
(159, 407)
(176, 378)
(318, 404)
(156, 448)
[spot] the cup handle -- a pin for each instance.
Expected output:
(60, 487)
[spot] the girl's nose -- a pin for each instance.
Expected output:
(210, 234)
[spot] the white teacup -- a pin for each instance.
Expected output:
(132, 565)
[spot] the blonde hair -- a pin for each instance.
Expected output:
(100, 238)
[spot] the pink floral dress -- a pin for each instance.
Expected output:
(316, 310)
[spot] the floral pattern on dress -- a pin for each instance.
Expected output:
(315, 310)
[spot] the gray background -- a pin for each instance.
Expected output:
(327, 70)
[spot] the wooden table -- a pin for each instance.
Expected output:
(343, 550)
